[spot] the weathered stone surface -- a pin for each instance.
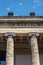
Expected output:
(21, 30)
(10, 51)
(35, 51)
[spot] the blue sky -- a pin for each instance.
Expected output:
(21, 7)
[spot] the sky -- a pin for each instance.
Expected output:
(21, 7)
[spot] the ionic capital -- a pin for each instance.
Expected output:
(10, 34)
(33, 34)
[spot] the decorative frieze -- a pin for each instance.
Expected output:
(20, 24)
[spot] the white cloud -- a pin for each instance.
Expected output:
(37, 4)
(15, 14)
(36, 1)
(20, 3)
(8, 9)
(34, 6)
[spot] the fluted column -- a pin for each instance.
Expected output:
(10, 50)
(34, 49)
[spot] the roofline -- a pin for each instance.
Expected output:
(22, 19)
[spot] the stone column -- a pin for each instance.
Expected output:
(10, 50)
(34, 49)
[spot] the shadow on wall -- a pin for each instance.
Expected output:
(23, 60)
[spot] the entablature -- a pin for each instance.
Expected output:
(21, 18)
(21, 24)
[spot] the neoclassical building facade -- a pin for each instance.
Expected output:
(21, 39)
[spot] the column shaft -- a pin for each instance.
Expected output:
(10, 51)
(35, 51)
